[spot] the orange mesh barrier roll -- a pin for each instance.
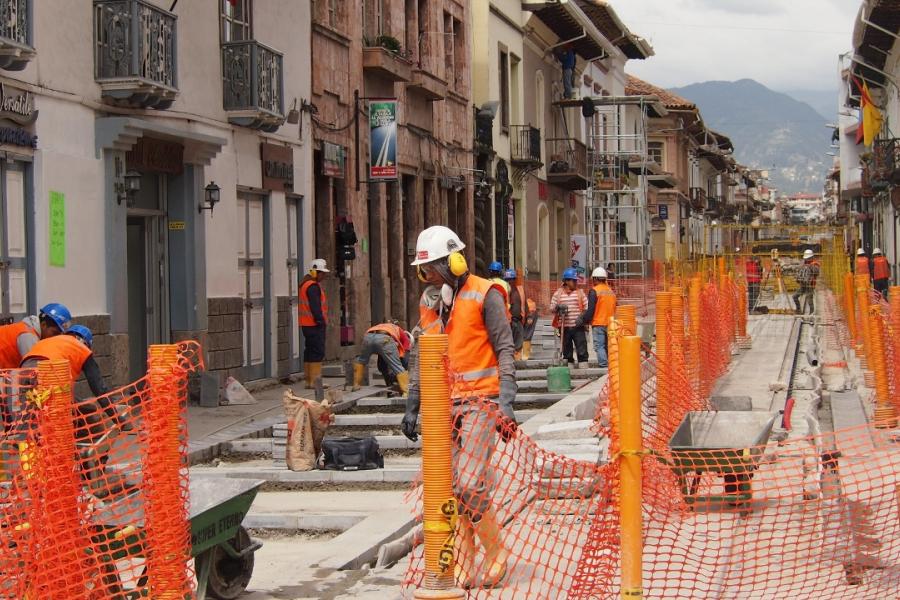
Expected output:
(96, 491)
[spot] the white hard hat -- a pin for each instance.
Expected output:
(319, 265)
(599, 273)
(436, 242)
(860, 252)
(807, 254)
(876, 251)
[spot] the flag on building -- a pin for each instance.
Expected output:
(871, 116)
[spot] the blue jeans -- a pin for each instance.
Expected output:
(599, 333)
(568, 82)
(385, 347)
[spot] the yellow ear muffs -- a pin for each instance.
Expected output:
(314, 273)
(420, 274)
(457, 263)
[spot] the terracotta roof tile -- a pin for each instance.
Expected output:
(639, 87)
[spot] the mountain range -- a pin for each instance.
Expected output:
(770, 130)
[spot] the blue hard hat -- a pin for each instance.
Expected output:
(57, 313)
(80, 331)
(509, 274)
(495, 267)
(570, 274)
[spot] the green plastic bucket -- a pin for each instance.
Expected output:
(559, 379)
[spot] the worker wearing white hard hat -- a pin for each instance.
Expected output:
(881, 273)
(312, 312)
(807, 277)
(600, 309)
(861, 265)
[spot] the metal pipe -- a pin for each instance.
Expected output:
(563, 43)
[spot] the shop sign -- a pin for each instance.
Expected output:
(382, 139)
(277, 167)
(151, 155)
(332, 160)
(17, 106)
(663, 211)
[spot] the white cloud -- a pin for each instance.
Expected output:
(784, 44)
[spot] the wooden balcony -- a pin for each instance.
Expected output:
(135, 53)
(16, 24)
(567, 163)
(386, 64)
(253, 85)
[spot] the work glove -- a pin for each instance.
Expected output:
(410, 419)
(506, 424)
(579, 322)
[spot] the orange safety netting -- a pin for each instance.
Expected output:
(95, 491)
(729, 511)
(636, 291)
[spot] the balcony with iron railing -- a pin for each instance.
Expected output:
(253, 85)
(526, 146)
(135, 53)
(698, 198)
(567, 163)
(16, 25)
(886, 160)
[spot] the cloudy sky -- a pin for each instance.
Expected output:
(783, 44)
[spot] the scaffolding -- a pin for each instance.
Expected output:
(617, 222)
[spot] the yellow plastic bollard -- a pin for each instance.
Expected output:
(626, 314)
(438, 504)
(862, 302)
(694, 308)
(630, 467)
(663, 356)
(885, 414)
(850, 307)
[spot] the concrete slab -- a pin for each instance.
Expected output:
(359, 545)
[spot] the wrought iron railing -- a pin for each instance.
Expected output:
(526, 144)
(135, 39)
(566, 156)
(253, 77)
(16, 21)
(885, 159)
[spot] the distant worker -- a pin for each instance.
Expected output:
(76, 347)
(495, 275)
(753, 271)
(568, 303)
(567, 61)
(516, 310)
(312, 312)
(861, 266)
(600, 309)
(881, 273)
(17, 339)
(392, 345)
(530, 324)
(473, 314)
(807, 276)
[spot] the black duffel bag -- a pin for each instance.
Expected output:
(350, 454)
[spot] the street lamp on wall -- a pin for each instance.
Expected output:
(128, 189)
(211, 193)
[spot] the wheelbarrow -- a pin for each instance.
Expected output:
(725, 443)
(221, 547)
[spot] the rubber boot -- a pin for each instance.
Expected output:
(495, 555)
(306, 375)
(313, 374)
(526, 350)
(403, 383)
(359, 373)
(464, 570)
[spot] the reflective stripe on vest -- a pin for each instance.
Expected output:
(9, 344)
(61, 347)
(605, 307)
(881, 268)
(862, 265)
(473, 363)
(304, 312)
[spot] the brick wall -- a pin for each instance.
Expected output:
(110, 352)
(225, 342)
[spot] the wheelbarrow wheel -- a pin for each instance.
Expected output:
(229, 576)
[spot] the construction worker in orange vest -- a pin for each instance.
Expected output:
(516, 311)
(472, 311)
(600, 309)
(392, 345)
(881, 272)
(862, 263)
(16, 339)
(312, 312)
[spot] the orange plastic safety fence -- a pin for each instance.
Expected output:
(635, 291)
(95, 490)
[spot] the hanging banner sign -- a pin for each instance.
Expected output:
(383, 139)
(332, 160)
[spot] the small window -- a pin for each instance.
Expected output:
(449, 50)
(459, 54)
(504, 90)
(655, 152)
(237, 23)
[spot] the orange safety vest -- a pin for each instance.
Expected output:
(473, 363)
(61, 347)
(396, 333)
(304, 312)
(862, 265)
(605, 307)
(9, 348)
(752, 270)
(881, 268)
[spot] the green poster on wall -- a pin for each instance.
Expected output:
(57, 229)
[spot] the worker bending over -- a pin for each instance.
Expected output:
(600, 309)
(392, 345)
(17, 339)
(472, 312)
(312, 312)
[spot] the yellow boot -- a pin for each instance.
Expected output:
(464, 570)
(306, 374)
(526, 350)
(403, 382)
(313, 374)
(359, 373)
(495, 555)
